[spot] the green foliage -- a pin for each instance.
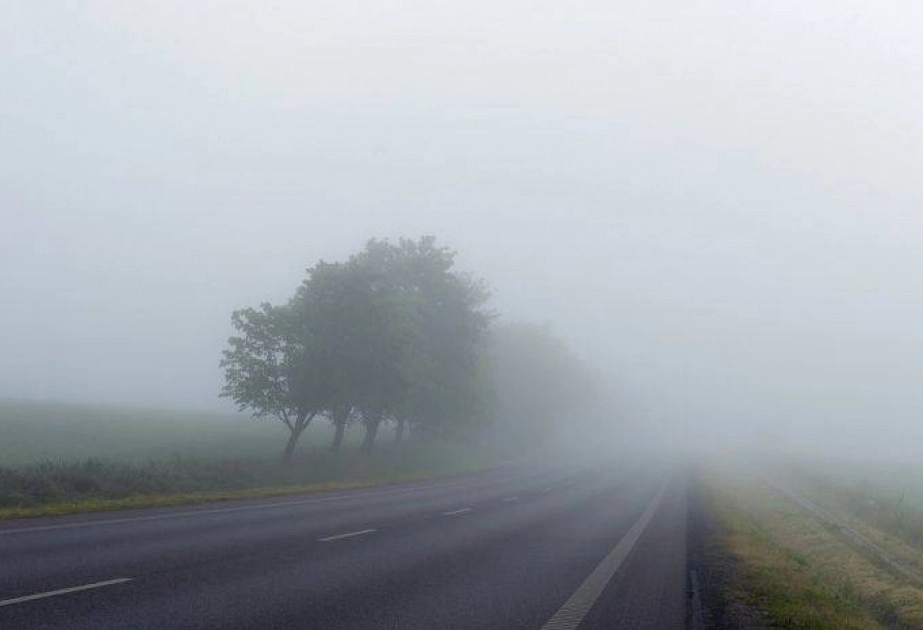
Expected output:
(396, 334)
(271, 368)
(446, 316)
(539, 387)
(390, 334)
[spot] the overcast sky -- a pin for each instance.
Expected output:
(719, 203)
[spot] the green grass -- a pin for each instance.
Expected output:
(797, 572)
(132, 501)
(32, 432)
(61, 458)
(188, 498)
(887, 498)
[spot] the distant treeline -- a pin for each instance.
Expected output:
(396, 335)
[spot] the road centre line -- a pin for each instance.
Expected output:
(455, 512)
(361, 532)
(572, 613)
(62, 591)
(510, 499)
(548, 489)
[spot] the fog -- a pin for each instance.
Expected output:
(717, 204)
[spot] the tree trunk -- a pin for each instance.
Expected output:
(371, 430)
(339, 418)
(338, 436)
(295, 430)
(290, 446)
(399, 432)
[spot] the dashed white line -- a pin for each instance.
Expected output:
(510, 499)
(454, 512)
(62, 591)
(361, 532)
(544, 490)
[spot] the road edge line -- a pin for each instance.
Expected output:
(571, 614)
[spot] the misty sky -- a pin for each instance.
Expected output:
(718, 203)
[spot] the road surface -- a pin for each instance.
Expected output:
(517, 547)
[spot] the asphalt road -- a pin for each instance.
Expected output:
(519, 547)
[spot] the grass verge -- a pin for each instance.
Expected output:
(795, 572)
(96, 485)
(880, 513)
(194, 498)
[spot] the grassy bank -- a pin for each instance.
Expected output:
(64, 458)
(95, 485)
(884, 502)
(788, 570)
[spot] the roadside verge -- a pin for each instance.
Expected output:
(763, 561)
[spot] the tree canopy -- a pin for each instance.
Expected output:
(391, 334)
(395, 334)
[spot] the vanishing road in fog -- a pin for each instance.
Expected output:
(518, 547)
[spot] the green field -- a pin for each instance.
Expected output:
(33, 432)
(57, 458)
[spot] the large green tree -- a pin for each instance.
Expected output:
(365, 337)
(391, 334)
(400, 330)
(449, 318)
(540, 389)
(271, 369)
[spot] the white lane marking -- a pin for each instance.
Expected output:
(227, 510)
(510, 499)
(361, 532)
(454, 512)
(571, 614)
(544, 490)
(62, 591)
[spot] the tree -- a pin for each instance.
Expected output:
(436, 317)
(539, 387)
(391, 334)
(364, 338)
(270, 368)
(449, 318)
(325, 302)
(385, 340)
(340, 415)
(399, 332)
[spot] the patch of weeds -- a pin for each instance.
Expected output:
(797, 556)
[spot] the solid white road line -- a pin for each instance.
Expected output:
(62, 591)
(454, 512)
(361, 532)
(571, 614)
(510, 499)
